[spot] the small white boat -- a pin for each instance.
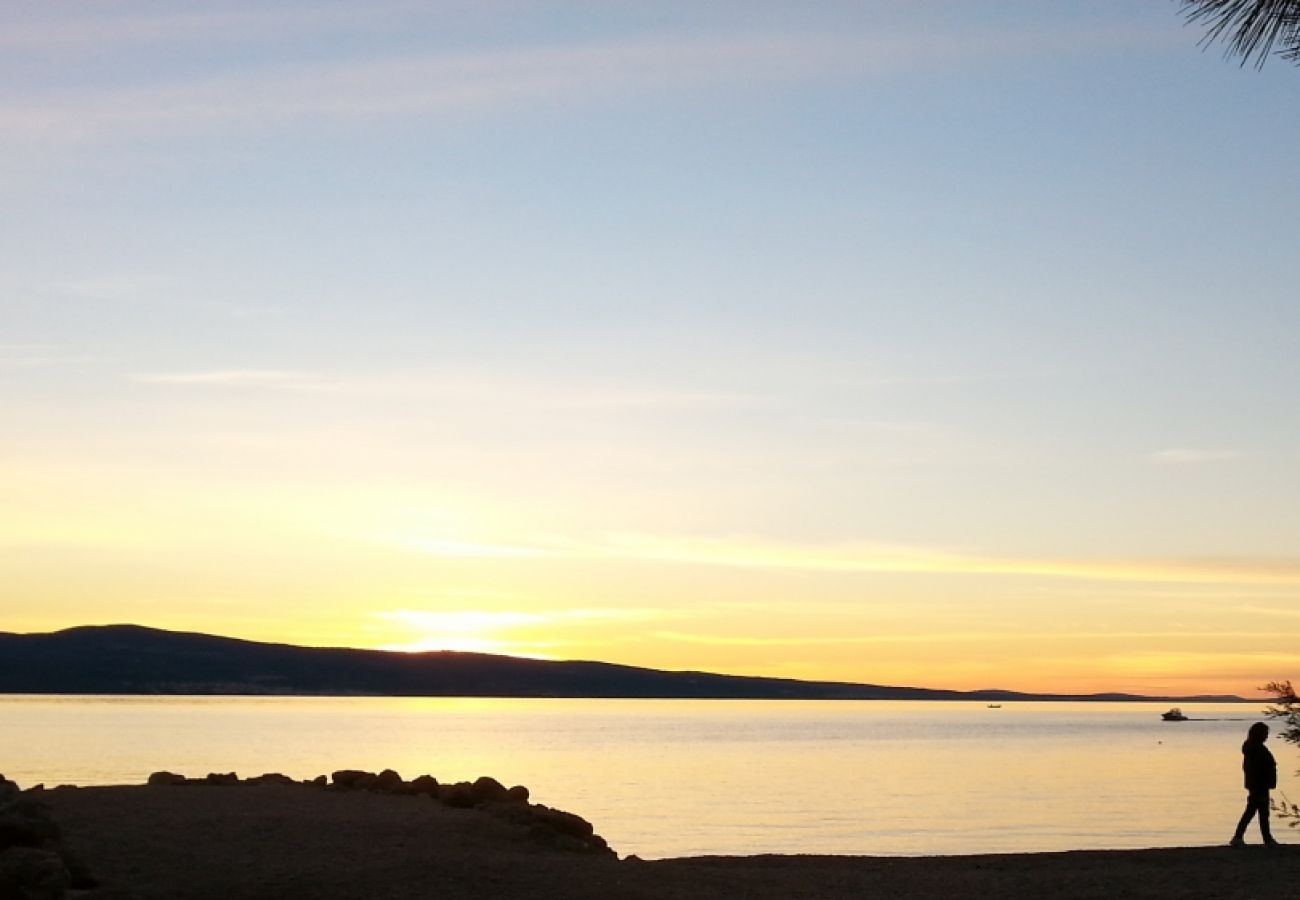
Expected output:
(1174, 715)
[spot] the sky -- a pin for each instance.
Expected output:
(942, 342)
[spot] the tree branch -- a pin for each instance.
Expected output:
(1250, 28)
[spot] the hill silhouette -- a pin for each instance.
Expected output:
(132, 659)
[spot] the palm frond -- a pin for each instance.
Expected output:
(1250, 28)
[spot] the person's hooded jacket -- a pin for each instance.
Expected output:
(1260, 767)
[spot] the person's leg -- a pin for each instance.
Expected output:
(1240, 835)
(1261, 805)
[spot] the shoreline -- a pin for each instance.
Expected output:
(214, 838)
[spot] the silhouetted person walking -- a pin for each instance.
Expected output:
(1261, 777)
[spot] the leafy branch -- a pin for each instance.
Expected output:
(1285, 810)
(1286, 707)
(1249, 28)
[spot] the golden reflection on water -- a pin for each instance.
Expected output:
(681, 777)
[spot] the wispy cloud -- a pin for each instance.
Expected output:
(467, 549)
(865, 558)
(368, 90)
(476, 82)
(39, 356)
(143, 288)
(108, 31)
(950, 637)
(640, 399)
(1183, 456)
(239, 310)
(1255, 610)
(478, 619)
(885, 381)
(469, 389)
(108, 287)
(519, 388)
(234, 378)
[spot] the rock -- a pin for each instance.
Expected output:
(29, 873)
(318, 781)
(458, 796)
(564, 822)
(387, 782)
(26, 823)
(221, 778)
(20, 831)
(565, 831)
(425, 784)
(552, 828)
(79, 875)
(353, 779)
(34, 865)
(271, 778)
(8, 789)
(570, 844)
(165, 778)
(517, 794)
(487, 790)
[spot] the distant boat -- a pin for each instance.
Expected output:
(995, 706)
(1174, 715)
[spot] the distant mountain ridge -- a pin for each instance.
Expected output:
(133, 659)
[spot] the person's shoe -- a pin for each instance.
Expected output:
(1269, 842)
(1236, 842)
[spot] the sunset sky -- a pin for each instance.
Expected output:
(945, 343)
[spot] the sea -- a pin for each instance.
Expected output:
(670, 778)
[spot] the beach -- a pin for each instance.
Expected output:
(257, 841)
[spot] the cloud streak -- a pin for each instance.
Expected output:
(233, 378)
(129, 32)
(483, 81)
(479, 389)
(869, 558)
(948, 637)
(42, 356)
(471, 550)
(1189, 457)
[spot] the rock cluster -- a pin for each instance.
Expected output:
(553, 828)
(34, 864)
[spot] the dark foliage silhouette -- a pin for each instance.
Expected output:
(1251, 29)
(1285, 708)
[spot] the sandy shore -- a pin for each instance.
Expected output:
(269, 842)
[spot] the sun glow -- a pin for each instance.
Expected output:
(464, 631)
(460, 644)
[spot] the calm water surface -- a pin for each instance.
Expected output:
(686, 777)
